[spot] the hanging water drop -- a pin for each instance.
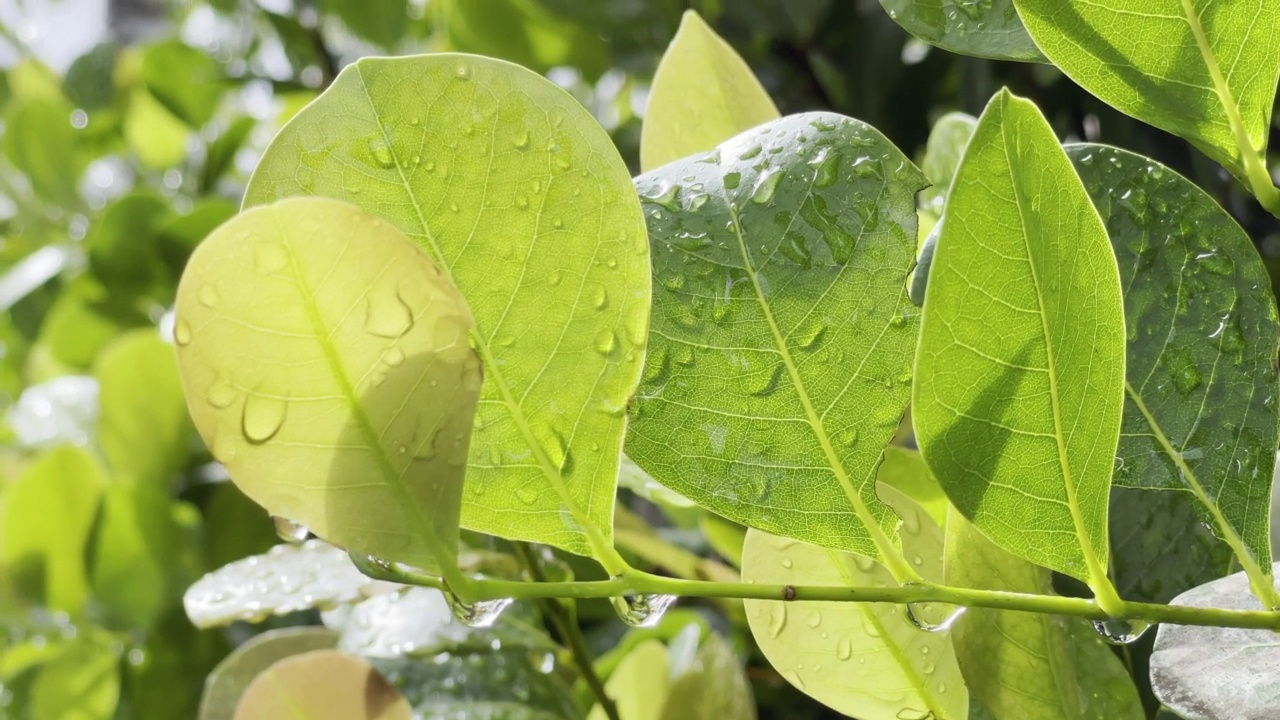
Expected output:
(642, 610)
(288, 530)
(480, 614)
(934, 617)
(1120, 632)
(262, 417)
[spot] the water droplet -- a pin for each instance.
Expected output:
(1120, 632)
(642, 610)
(844, 648)
(732, 180)
(481, 614)
(182, 332)
(827, 167)
(606, 342)
(1182, 369)
(696, 201)
(382, 153)
(262, 417)
(208, 296)
(777, 619)
(1215, 262)
(813, 619)
(786, 563)
(766, 186)
(394, 356)
(462, 72)
(934, 617)
(864, 563)
(270, 257)
(522, 140)
(673, 282)
(388, 316)
(868, 167)
(771, 383)
(288, 530)
(221, 394)
(555, 277)
(600, 297)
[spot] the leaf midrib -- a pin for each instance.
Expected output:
(604, 551)
(1096, 572)
(371, 438)
(888, 552)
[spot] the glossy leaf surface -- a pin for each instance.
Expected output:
(1020, 425)
(1206, 673)
(780, 354)
(1030, 665)
(287, 579)
(1155, 60)
(983, 28)
(1203, 335)
(500, 684)
(353, 414)
(703, 93)
(862, 659)
(519, 196)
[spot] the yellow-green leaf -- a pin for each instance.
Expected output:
(322, 685)
(326, 364)
(703, 93)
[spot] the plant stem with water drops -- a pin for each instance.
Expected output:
(566, 627)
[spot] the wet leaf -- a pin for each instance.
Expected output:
(862, 659)
(353, 413)
(780, 358)
(1030, 665)
(1155, 60)
(1203, 334)
(322, 685)
(552, 257)
(703, 93)
(1211, 673)
(287, 579)
(1020, 425)
(983, 28)
(228, 681)
(500, 684)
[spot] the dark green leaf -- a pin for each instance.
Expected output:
(501, 685)
(984, 28)
(41, 142)
(222, 152)
(381, 22)
(90, 82)
(187, 81)
(780, 354)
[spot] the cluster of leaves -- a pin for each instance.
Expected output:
(448, 311)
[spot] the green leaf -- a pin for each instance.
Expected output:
(85, 318)
(703, 93)
(524, 32)
(1215, 672)
(322, 685)
(862, 659)
(714, 686)
(1029, 665)
(1203, 334)
(501, 684)
(135, 553)
(942, 154)
(552, 256)
(1020, 425)
(144, 429)
(90, 81)
(640, 685)
(82, 683)
(188, 82)
(236, 527)
(152, 132)
(48, 513)
(1159, 545)
(40, 141)
(983, 28)
(352, 415)
(905, 471)
(781, 347)
(221, 153)
(381, 22)
(1192, 67)
(250, 589)
(418, 621)
(122, 242)
(228, 681)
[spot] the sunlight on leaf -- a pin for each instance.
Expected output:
(228, 681)
(1020, 425)
(347, 406)
(780, 358)
(943, 152)
(144, 430)
(519, 196)
(862, 659)
(703, 93)
(1203, 333)
(322, 685)
(1156, 60)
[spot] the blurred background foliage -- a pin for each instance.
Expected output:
(130, 128)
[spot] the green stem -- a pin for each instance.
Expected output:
(1252, 160)
(1259, 579)
(569, 632)
(635, 582)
